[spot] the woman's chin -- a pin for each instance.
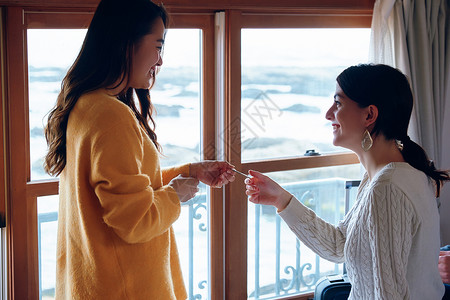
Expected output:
(142, 86)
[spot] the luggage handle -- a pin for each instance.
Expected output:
(335, 278)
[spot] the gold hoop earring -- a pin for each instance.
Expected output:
(367, 141)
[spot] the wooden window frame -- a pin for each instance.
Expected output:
(23, 252)
(228, 209)
(236, 206)
(3, 172)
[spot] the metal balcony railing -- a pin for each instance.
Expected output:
(326, 197)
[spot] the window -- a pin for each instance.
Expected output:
(287, 66)
(50, 54)
(288, 83)
(228, 254)
(52, 44)
(177, 98)
(278, 263)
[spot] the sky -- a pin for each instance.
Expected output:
(260, 47)
(304, 47)
(59, 47)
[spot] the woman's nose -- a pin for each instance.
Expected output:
(160, 61)
(329, 114)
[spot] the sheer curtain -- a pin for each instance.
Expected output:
(414, 36)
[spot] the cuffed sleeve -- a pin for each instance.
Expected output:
(170, 173)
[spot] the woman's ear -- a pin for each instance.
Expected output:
(372, 115)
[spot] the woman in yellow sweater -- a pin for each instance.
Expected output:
(117, 207)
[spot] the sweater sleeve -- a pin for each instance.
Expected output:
(322, 237)
(170, 173)
(391, 225)
(135, 209)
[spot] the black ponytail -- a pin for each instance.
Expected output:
(416, 156)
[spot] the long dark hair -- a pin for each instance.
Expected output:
(388, 89)
(104, 61)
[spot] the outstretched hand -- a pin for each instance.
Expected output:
(213, 173)
(185, 187)
(263, 190)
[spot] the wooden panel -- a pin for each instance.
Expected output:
(66, 20)
(193, 20)
(32, 253)
(216, 244)
(51, 3)
(235, 198)
(207, 4)
(2, 126)
(22, 233)
(242, 4)
(305, 162)
(74, 20)
(39, 188)
(309, 20)
(215, 213)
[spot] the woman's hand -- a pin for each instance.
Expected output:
(185, 187)
(213, 173)
(263, 190)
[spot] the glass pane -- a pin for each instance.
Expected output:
(176, 96)
(288, 83)
(191, 232)
(278, 263)
(50, 53)
(47, 232)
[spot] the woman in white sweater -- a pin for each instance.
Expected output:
(389, 240)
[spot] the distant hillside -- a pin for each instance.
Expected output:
(306, 81)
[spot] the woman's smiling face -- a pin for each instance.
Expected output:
(347, 120)
(147, 57)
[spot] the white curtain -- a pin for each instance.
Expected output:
(414, 37)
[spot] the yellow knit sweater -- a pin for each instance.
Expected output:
(115, 235)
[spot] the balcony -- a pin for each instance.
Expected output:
(278, 263)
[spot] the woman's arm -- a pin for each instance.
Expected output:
(323, 238)
(132, 205)
(211, 172)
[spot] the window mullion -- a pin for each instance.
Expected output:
(235, 210)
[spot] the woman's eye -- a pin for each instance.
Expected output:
(337, 103)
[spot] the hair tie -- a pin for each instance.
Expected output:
(402, 141)
(431, 164)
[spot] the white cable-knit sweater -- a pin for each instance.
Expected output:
(389, 240)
